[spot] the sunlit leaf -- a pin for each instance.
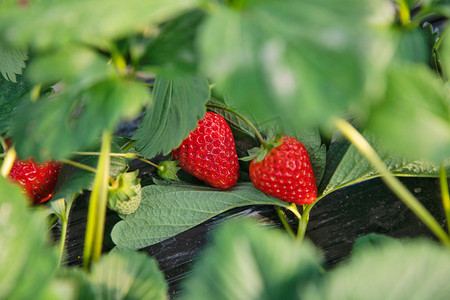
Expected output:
(46, 23)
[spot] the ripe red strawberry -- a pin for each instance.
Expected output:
(209, 153)
(38, 180)
(285, 172)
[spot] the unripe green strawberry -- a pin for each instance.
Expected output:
(285, 172)
(209, 152)
(125, 196)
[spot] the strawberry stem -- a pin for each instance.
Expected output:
(284, 221)
(303, 222)
(97, 206)
(445, 194)
(126, 155)
(8, 162)
(391, 181)
(83, 167)
(247, 121)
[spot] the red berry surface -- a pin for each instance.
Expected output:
(286, 173)
(209, 152)
(37, 179)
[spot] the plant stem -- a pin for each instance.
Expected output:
(237, 114)
(391, 181)
(445, 195)
(62, 239)
(284, 221)
(303, 222)
(79, 165)
(126, 155)
(97, 206)
(8, 162)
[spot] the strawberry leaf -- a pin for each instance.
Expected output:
(27, 260)
(128, 275)
(54, 127)
(11, 95)
(179, 102)
(255, 263)
(353, 167)
(417, 101)
(12, 60)
(273, 57)
(374, 273)
(167, 210)
(84, 21)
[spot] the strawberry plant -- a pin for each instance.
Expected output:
(320, 95)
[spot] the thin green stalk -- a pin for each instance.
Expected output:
(62, 239)
(445, 195)
(126, 155)
(97, 206)
(8, 162)
(79, 165)
(391, 181)
(237, 114)
(303, 223)
(284, 221)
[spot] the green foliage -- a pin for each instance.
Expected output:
(69, 122)
(27, 261)
(303, 60)
(46, 25)
(167, 210)
(353, 167)
(178, 105)
(244, 261)
(173, 49)
(128, 275)
(12, 60)
(11, 95)
(414, 117)
(417, 269)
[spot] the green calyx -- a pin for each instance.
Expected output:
(260, 152)
(124, 196)
(168, 169)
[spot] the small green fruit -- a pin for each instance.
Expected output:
(125, 195)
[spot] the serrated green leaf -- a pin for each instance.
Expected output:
(173, 49)
(419, 269)
(128, 275)
(167, 210)
(11, 95)
(46, 24)
(56, 126)
(27, 261)
(73, 180)
(279, 57)
(414, 117)
(255, 263)
(179, 102)
(354, 168)
(12, 60)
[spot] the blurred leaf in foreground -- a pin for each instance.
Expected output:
(244, 261)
